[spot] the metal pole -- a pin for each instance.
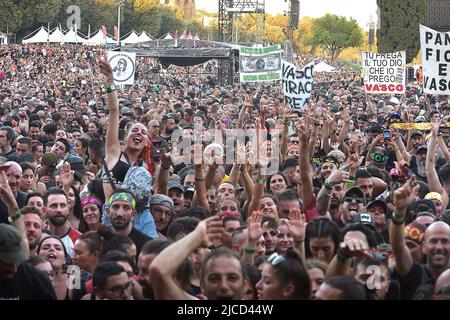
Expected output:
(118, 25)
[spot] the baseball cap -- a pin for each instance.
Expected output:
(76, 163)
(378, 202)
(422, 148)
(11, 250)
(424, 205)
(161, 200)
(354, 191)
(175, 185)
(189, 189)
(395, 115)
(364, 219)
(50, 160)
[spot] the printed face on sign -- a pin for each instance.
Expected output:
(123, 67)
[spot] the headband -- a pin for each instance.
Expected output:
(378, 157)
(123, 196)
(89, 200)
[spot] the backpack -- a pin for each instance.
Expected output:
(139, 181)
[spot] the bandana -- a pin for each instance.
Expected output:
(379, 158)
(414, 233)
(123, 196)
(93, 201)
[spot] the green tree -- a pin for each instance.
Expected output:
(37, 13)
(333, 34)
(170, 22)
(399, 26)
(10, 16)
(141, 15)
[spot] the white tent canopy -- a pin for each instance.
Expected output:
(132, 38)
(144, 37)
(168, 36)
(323, 67)
(40, 36)
(57, 36)
(99, 39)
(72, 37)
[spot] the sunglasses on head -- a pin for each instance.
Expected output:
(350, 199)
(275, 259)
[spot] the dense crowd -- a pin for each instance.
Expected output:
(178, 188)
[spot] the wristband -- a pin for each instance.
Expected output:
(249, 251)
(299, 241)
(340, 257)
(111, 89)
(199, 179)
(259, 181)
(398, 219)
(11, 219)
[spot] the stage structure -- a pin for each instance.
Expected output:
(231, 12)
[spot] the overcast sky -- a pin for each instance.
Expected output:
(358, 9)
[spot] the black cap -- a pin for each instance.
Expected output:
(375, 127)
(380, 203)
(354, 191)
(189, 189)
(416, 133)
(364, 219)
(424, 205)
(423, 148)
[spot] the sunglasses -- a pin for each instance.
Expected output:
(275, 259)
(350, 199)
(378, 157)
(273, 233)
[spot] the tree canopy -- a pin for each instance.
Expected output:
(333, 34)
(399, 26)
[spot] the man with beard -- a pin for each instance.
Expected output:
(57, 211)
(222, 274)
(352, 203)
(291, 170)
(169, 128)
(330, 165)
(148, 253)
(33, 227)
(176, 193)
(415, 277)
(161, 207)
(121, 211)
(418, 163)
(329, 197)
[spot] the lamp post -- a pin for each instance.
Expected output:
(120, 4)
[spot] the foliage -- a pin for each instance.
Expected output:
(399, 27)
(10, 16)
(333, 34)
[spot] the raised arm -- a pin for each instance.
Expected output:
(112, 145)
(8, 198)
(430, 166)
(403, 197)
(163, 174)
(305, 165)
(443, 147)
(200, 188)
(324, 196)
(164, 267)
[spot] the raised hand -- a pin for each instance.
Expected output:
(354, 247)
(209, 230)
(255, 231)
(338, 176)
(405, 195)
(105, 67)
(67, 175)
(6, 193)
(296, 224)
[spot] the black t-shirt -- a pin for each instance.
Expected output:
(139, 239)
(12, 156)
(28, 283)
(21, 202)
(417, 278)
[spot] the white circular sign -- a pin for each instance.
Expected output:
(122, 66)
